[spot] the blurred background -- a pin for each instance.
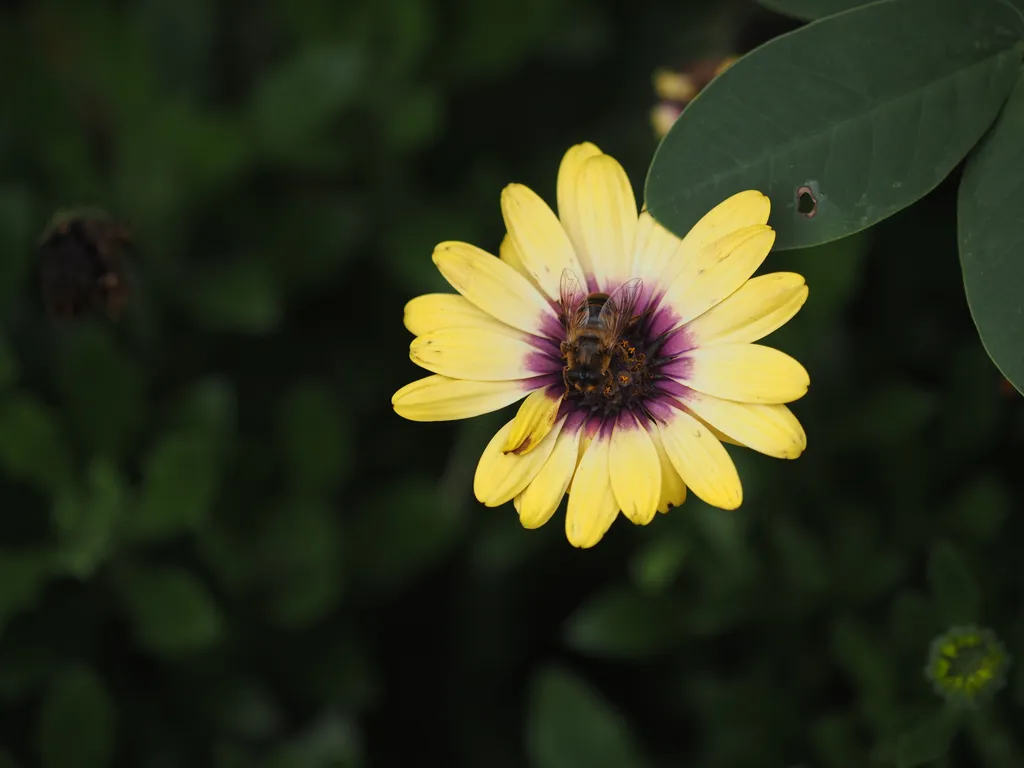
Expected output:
(220, 547)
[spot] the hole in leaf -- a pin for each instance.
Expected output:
(806, 204)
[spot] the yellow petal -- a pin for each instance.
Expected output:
(541, 498)
(608, 219)
(749, 373)
(673, 489)
(434, 311)
(654, 249)
(742, 210)
(517, 502)
(502, 476)
(439, 398)
(718, 270)
(508, 253)
(769, 429)
(717, 432)
(634, 471)
(760, 306)
(480, 354)
(540, 240)
(702, 461)
(535, 418)
(586, 437)
(492, 285)
(592, 507)
(568, 209)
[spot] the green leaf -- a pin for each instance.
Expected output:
(75, 726)
(418, 117)
(954, 588)
(812, 9)
(332, 741)
(295, 103)
(102, 389)
(180, 481)
(800, 558)
(571, 724)
(979, 508)
(992, 239)
(300, 562)
(32, 445)
(170, 609)
(208, 406)
(928, 742)
(316, 437)
(334, 666)
(404, 531)
(619, 623)
(85, 518)
(656, 565)
(866, 112)
(23, 574)
(914, 620)
(860, 652)
(173, 159)
(16, 216)
(9, 368)
(240, 296)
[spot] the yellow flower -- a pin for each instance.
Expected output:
(634, 350)
(967, 665)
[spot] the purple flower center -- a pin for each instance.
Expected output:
(611, 365)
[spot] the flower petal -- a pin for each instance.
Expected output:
(654, 249)
(742, 210)
(541, 498)
(493, 286)
(508, 253)
(673, 489)
(701, 461)
(606, 210)
(568, 209)
(760, 306)
(634, 470)
(439, 398)
(592, 506)
(540, 240)
(480, 354)
(716, 432)
(718, 270)
(434, 311)
(749, 373)
(502, 476)
(535, 418)
(769, 429)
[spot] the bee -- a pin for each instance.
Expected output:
(601, 360)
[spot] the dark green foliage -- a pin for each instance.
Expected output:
(844, 122)
(218, 544)
(570, 724)
(812, 9)
(990, 201)
(76, 725)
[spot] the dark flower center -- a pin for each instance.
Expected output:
(603, 375)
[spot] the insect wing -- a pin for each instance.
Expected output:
(573, 301)
(619, 309)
